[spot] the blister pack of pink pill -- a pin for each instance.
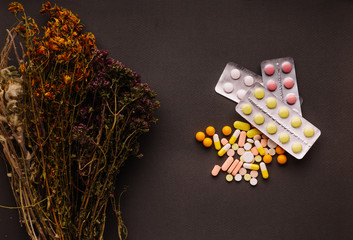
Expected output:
(235, 81)
(278, 76)
(278, 121)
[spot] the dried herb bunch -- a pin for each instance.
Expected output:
(67, 125)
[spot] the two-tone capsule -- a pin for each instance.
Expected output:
(234, 137)
(224, 149)
(259, 147)
(217, 143)
(251, 166)
(264, 171)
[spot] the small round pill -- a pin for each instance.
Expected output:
(210, 131)
(253, 181)
(229, 177)
(291, 98)
(247, 146)
(200, 136)
(296, 122)
(224, 141)
(258, 158)
(257, 137)
(235, 73)
(267, 158)
(241, 93)
(254, 174)
(266, 150)
(259, 93)
(228, 87)
(235, 146)
(281, 159)
(238, 177)
(249, 81)
(271, 128)
(240, 151)
(259, 118)
(283, 112)
(296, 147)
(286, 67)
(247, 177)
(248, 157)
(308, 131)
(249, 140)
(288, 83)
(271, 102)
(272, 151)
(271, 85)
(207, 142)
(226, 130)
(283, 137)
(279, 150)
(271, 143)
(269, 69)
(246, 109)
(242, 171)
(230, 153)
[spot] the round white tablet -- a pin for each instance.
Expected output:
(228, 87)
(247, 146)
(248, 157)
(241, 93)
(248, 81)
(272, 151)
(271, 144)
(253, 181)
(235, 73)
(238, 177)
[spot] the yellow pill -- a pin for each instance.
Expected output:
(283, 137)
(207, 142)
(226, 130)
(247, 177)
(200, 136)
(296, 147)
(210, 131)
(271, 102)
(235, 146)
(217, 143)
(229, 177)
(258, 158)
(296, 122)
(309, 131)
(259, 93)
(271, 128)
(259, 118)
(242, 125)
(283, 112)
(246, 109)
(252, 133)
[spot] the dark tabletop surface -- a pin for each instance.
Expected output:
(180, 48)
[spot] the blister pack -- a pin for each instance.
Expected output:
(235, 81)
(278, 76)
(278, 121)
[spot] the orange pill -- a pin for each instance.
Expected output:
(200, 136)
(207, 142)
(267, 158)
(210, 131)
(281, 159)
(279, 150)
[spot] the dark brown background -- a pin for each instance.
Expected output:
(180, 48)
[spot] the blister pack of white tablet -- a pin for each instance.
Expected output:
(235, 81)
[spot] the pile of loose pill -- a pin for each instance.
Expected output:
(253, 149)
